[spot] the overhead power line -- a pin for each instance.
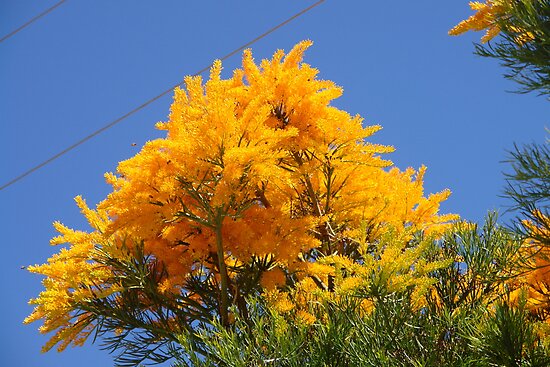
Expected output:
(148, 102)
(32, 20)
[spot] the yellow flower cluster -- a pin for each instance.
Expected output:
(71, 278)
(396, 265)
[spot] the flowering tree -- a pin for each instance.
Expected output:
(260, 187)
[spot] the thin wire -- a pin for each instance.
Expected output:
(145, 104)
(12, 33)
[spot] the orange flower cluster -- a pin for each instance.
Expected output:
(534, 282)
(484, 19)
(258, 165)
(267, 151)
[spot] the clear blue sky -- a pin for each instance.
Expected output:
(88, 62)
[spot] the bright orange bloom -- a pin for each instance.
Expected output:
(484, 19)
(534, 282)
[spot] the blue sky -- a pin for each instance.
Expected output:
(89, 62)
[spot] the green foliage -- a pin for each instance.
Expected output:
(508, 339)
(265, 337)
(524, 45)
(463, 323)
(529, 188)
(140, 323)
(484, 259)
(392, 336)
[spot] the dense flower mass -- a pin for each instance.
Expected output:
(265, 154)
(260, 185)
